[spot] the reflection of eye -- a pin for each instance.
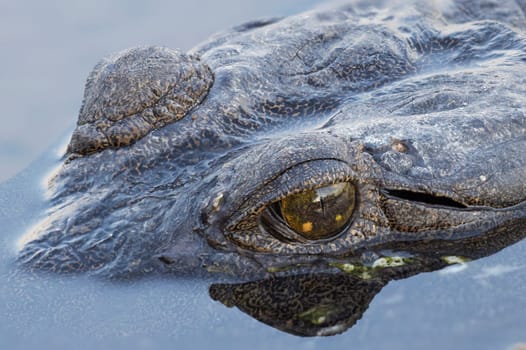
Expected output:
(318, 213)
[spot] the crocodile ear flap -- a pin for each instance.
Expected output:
(135, 91)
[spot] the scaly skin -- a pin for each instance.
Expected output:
(176, 157)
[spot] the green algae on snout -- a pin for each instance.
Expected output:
(391, 261)
(345, 267)
(317, 315)
(361, 271)
(368, 271)
(452, 259)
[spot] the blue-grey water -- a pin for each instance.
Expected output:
(48, 48)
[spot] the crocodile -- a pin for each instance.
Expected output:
(293, 144)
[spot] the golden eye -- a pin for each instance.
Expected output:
(321, 212)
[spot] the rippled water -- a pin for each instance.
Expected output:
(52, 47)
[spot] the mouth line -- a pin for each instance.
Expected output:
(425, 198)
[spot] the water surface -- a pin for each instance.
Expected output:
(51, 48)
(48, 49)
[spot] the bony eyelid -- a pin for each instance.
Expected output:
(304, 176)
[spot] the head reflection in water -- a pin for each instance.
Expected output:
(306, 305)
(311, 303)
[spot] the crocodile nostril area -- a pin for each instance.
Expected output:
(396, 162)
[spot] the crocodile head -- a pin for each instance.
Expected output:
(294, 143)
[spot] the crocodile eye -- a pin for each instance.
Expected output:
(321, 212)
